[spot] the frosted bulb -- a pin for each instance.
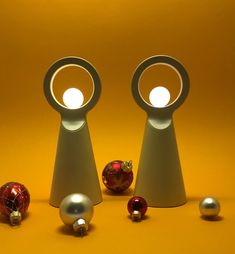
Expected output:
(159, 97)
(73, 98)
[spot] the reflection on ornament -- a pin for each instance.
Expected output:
(209, 207)
(117, 175)
(76, 211)
(137, 207)
(14, 201)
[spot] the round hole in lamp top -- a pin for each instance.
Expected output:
(51, 74)
(169, 108)
(159, 75)
(72, 77)
(73, 98)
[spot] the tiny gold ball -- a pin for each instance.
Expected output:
(209, 207)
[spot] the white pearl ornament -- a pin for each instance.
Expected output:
(76, 211)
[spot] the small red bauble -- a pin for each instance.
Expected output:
(117, 175)
(137, 207)
(14, 201)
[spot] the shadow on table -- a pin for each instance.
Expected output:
(128, 192)
(193, 198)
(40, 200)
(215, 218)
(6, 220)
(145, 217)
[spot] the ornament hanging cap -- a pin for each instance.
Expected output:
(136, 215)
(127, 166)
(80, 226)
(15, 218)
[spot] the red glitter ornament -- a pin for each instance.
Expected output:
(117, 175)
(14, 201)
(137, 207)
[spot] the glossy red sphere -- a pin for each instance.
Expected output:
(117, 175)
(13, 197)
(137, 203)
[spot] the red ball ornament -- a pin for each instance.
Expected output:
(14, 201)
(137, 207)
(117, 175)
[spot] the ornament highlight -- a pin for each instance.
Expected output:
(117, 175)
(76, 211)
(137, 207)
(14, 201)
(209, 207)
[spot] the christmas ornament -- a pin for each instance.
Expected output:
(209, 207)
(76, 211)
(137, 207)
(14, 201)
(117, 175)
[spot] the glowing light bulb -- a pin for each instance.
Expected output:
(73, 98)
(159, 96)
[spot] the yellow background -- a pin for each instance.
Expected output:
(115, 36)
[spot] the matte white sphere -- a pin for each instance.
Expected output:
(209, 207)
(159, 96)
(73, 98)
(74, 207)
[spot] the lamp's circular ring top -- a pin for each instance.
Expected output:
(53, 71)
(163, 60)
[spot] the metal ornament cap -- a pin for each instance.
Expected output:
(80, 226)
(15, 218)
(76, 210)
(136, 216)
(127, 166)
(209, 207)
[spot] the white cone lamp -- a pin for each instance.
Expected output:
(159, 178)
(75, 168)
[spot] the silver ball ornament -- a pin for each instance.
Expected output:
(76, 210)
(209, 207)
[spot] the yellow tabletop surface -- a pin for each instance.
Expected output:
(115, 36)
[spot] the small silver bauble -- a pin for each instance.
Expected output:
(209, 207)
(76, 210)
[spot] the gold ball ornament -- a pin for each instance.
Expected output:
(209, 207)
(76, 211)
